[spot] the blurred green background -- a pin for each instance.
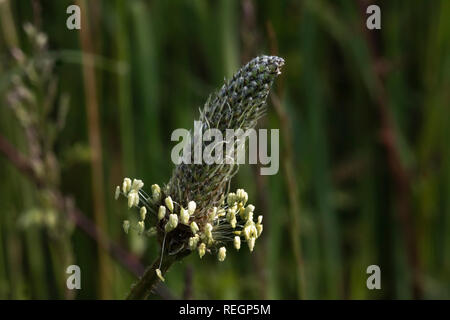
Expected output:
(364, 161)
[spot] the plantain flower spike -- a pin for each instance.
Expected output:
(207, 216)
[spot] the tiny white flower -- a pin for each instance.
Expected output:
(193, 241)
(231, 198)
(143, 213)
(173, 220)
(249, 223)
(194, 227)
(136, 200)
(233, 222)
(126, 226)
(250, 231)
(172, 223)
(242, 196)
(137, 184)
(169, 203)
(259, 229)
(248, 209)
(151, 232)
(208, 231)
(156, 192)
(161, 212)
(184, 216)
(126, 185)
(260, 218)
(253, 231)
(133, 198)
(231, 214)
(245, 199)
(141, 227)
(246, 232)
(237, 242)
(222, 254)
(201, 250)
(159, 274)
(117, 193)
(191, 207)
(251, 244)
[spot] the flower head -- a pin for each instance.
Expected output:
(195, 211)
(238, 104)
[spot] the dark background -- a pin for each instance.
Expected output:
(364, 160)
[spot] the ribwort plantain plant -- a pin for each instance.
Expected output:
(195, 210)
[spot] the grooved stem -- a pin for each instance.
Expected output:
(144, 286)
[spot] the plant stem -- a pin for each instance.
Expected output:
(145, 284)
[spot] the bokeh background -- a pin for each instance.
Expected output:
(364, 124)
